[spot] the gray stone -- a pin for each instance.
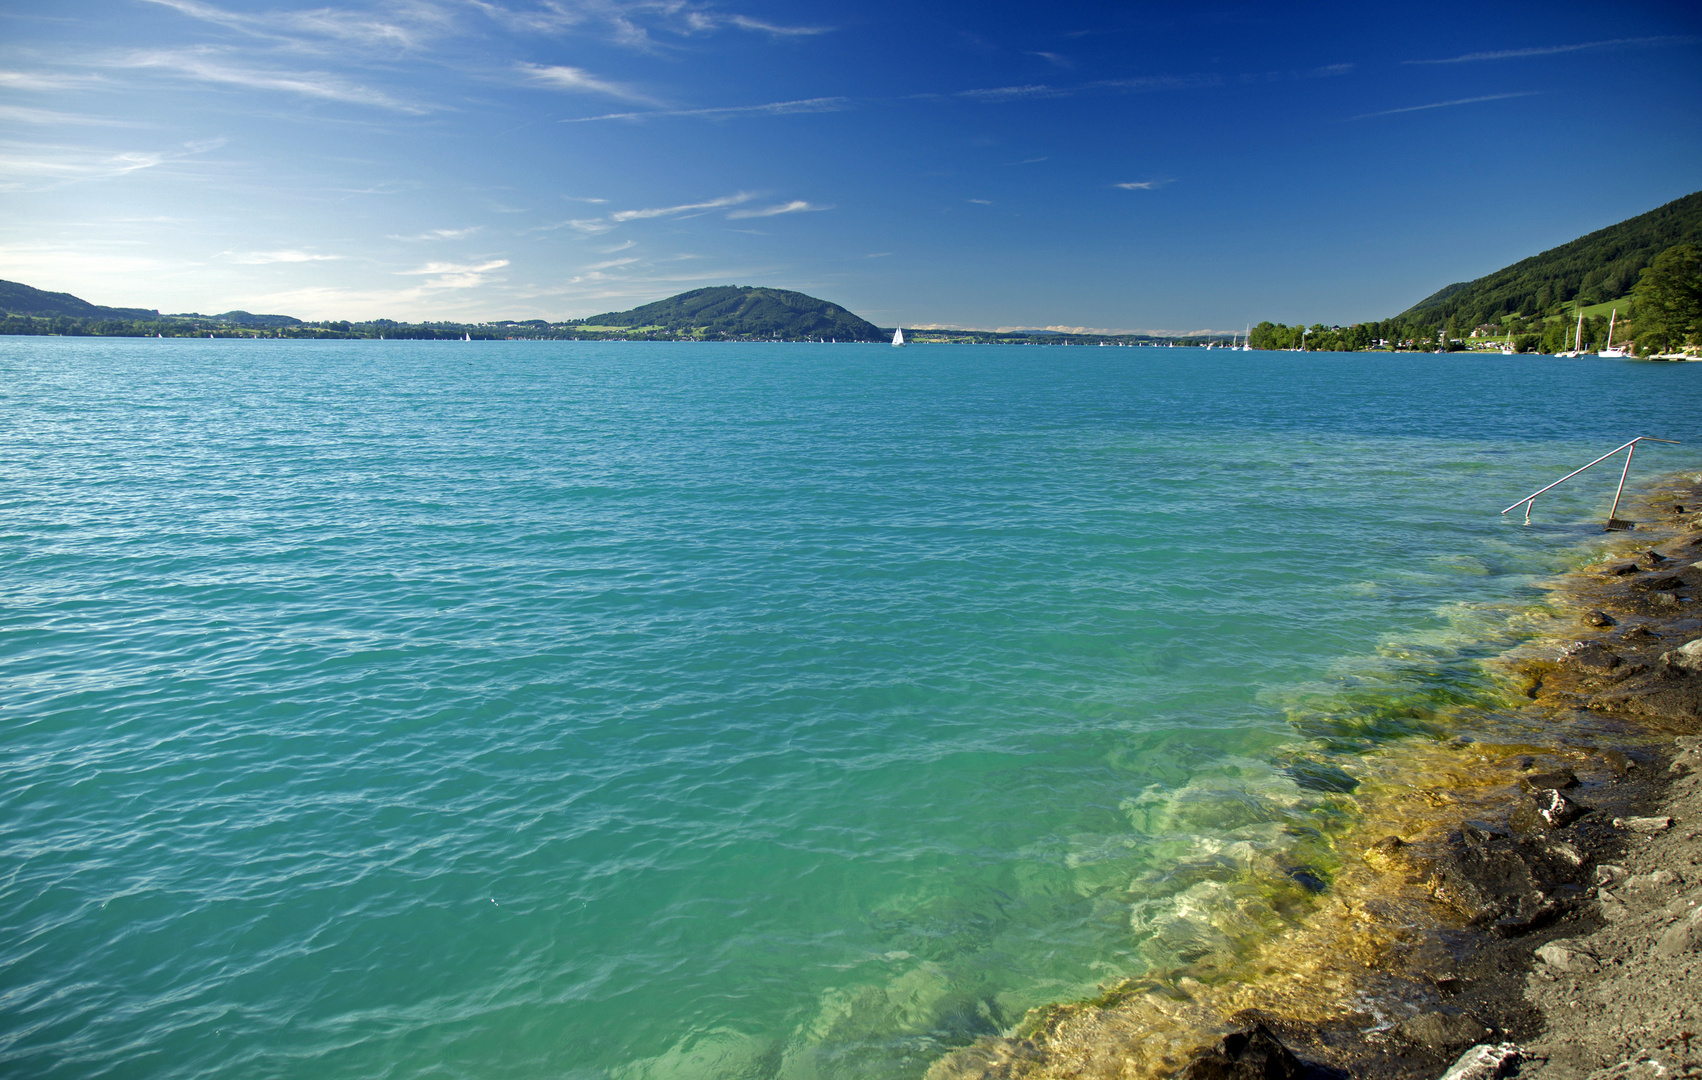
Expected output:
(1565, 955)
(1681, 937)
(1612, 909)
(1484, 1062)
(1643, 824)
(1610, 873)
(1687, 656)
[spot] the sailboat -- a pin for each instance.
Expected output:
(1610, 351)
(898, 337)
(1247, 346)
(466, 336)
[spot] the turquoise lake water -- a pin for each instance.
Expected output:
(532, 709)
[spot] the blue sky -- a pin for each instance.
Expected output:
(1118, 166)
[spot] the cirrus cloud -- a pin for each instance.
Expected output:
(796, 206)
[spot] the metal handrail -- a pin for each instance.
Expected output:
(1630, 448)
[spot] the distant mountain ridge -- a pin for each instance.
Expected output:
(1599, 267)
(16, 299)
(747, 311)
(19, 299)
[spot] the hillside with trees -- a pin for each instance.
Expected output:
(744, 311)
(1641, 280)
(1602, 266)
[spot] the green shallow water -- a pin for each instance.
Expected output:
(513, 710)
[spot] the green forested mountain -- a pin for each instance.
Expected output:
(16, 299)
(1601, 266)
(746, 311)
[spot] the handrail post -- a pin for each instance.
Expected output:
(1612, 515)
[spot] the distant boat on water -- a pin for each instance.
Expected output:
(1609, 350)
(898, 337)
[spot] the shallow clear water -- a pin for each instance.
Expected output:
(570, 709)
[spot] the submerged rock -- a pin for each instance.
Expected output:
(1392, 855)
(1317, 776)
(1600, 618)
(1250, 1054)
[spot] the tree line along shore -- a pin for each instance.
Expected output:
(1660, 315)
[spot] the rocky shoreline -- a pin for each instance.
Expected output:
(1543, 920)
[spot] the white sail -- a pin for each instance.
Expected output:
(898, 338)
(1610, 350)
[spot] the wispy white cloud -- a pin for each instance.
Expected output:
(1552, 50)
(1133, 85)
(445, 275)
(438, 234)
(1141, 185)
(1447, 104)
(23, 114)
(35, 166)
(1012, 93)
(877, 255)
(265, 258)
(773, 108)
(560, 77)
(598, 225)
(744, 22)
(46, 82)
(796, 206)
(205, 65)
(982, 202)
(624, 245)
(620, 216)
(633, 24)
(404, 26)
